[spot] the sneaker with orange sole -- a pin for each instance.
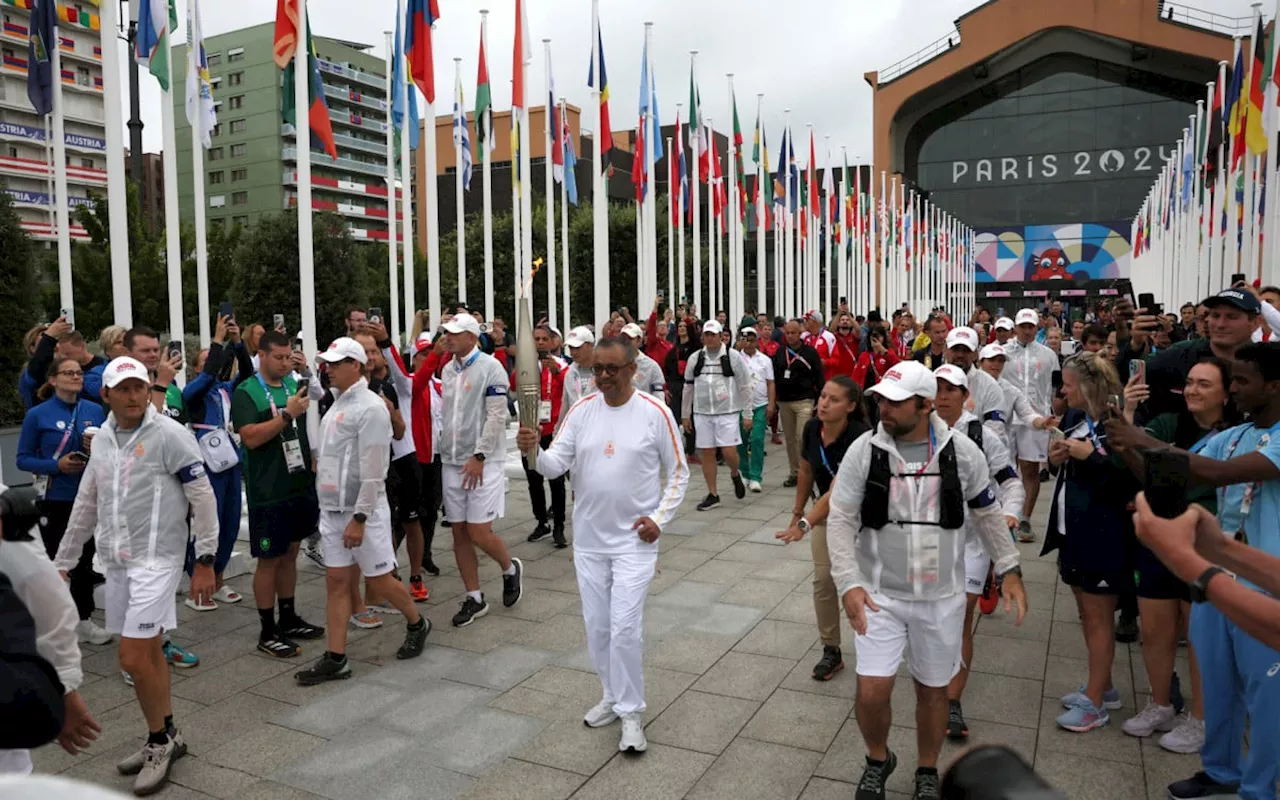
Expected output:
(418, 589)
(990, 599)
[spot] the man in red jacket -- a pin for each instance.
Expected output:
(551, 395)
(820, 339)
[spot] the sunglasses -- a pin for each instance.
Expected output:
(609, 369)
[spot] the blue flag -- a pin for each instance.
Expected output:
(39, 56)
(402, 94)
(570, 168)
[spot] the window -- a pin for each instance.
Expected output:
(87, 163)
(217, 129)
(239, 174)
(82, 76)
(237, 126)
(215, 154)
(215, 82)
(235, 79)
(215, 59)
(235, 54)
(240, 199)
(238, 151)
(215, 177)
(217, 200)
(241, 221)
(235, 102)
(13, 151)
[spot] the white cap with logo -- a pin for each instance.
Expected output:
(952, 375)
(633, 330)
(123, 369)
(1027, 316)
(343, 348)
(963, 336)
(463, 323)
(993, 350)
(906, 379)
(1004, 324)
(579, 336)
(712, 326)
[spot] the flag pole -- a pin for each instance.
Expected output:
(679, 142)
(671, 234)
(564, 218)
(599, 197)
(651, 186)
(526, 182)
(61, 210)
(306, 255)
(121, 293)
(197, 171)
(762, 265)
(393, 271)
(486, 155)
(432, 211)
(731, 218)
(406, 182)
(460, 222)
(695, 176)
(173, 246)
(517, 217)
(788, 254)
(549, 115)
(713, 256)
(828, 262)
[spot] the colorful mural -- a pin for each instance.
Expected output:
(1075, 251)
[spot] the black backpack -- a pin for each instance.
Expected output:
(875, 502)
(726, 365)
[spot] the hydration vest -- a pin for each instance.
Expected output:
(726, 366)
(875, 502)
(975, 432)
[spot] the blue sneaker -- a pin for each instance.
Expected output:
(1110, 699)
(179, 656)
(1084, 717)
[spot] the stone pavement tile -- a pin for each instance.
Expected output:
(686, 526)
(1063, 675)
(569, 745)
(327, 717)
(264, 749)
(1064, 607)
(1067, 639)
(661, 773)
(370, 763)
(502, 667)
(779, 639)
(1162, 768)
(795, 607)
(1040, 572)
(1141, 685)
(662, 687)
(684, 559)
(232, 645)
(757, 593)
(720, 570)
(750, 769)
(706, 723)
(798, 719)
(727, 620)
(550, 707)
(521, 780)
(661, 619)
(223, 721)
(570, 683)
(1105, 744)
(737, 525)
(536, 606)
(785, 571)
(111, 692)
(1081, 776)
(125, 724)
(477, 741)
(744, 675)
(432, 705)
(712, 542)
(754, 512)
(559, 634)
(548, 569)
(199, 775)
(688, 651)
(580, 659)
(435, 662)
(1035, 625)
(846, 757)
(690, 594)
(824, 789)
(800, 677)
(270, 790)
(284, 688)
(663, 580)
(1015, 657)
(480, 636)
(1000, 698)
(753, 553)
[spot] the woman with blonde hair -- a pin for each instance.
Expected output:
(111, 342)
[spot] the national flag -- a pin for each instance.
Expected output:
(420, 16)
(1214, 140)
(605, 134)
(682, 173)
(39, 55)
(1255, 125)
(317, 109)
(151, 48)
(484, 103)
(815, 205)
(570, 162)
(639, 165)
(698, 141)
(717, 181)
(1236, 105)
(557, 129)
(201, 114)
(403, 98)
(521, 55)
(638, 171)
(738, 168)
(460, 135)
(675, 181)
(829, 189)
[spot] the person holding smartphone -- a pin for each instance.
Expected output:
(52, 447)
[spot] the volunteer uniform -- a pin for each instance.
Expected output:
(633, 445)
(648, 377)
(578, 383)
(1008, 489)
(1030, 368)
(473, 419)
(718, 395)
(751, 451)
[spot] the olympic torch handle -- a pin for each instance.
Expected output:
(529, 402)
(528, 376)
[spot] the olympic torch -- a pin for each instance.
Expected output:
(528, 382)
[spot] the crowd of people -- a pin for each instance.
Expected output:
(916, 450)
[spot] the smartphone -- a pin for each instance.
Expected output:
(843, 300)
(69, 315)
(1138, 369)
(78, 455)
(661, 295)
(173, 349)
(1069, 347)
(1116, 400)
(1147, 300)
(1238, 278)
(297, 345)
(277, 321)
(1056, 435)
(302, 389)
(225, 310)
(1166, 475)
(375, 314)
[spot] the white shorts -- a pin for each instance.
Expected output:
(140, 602)
(1031, 444)
(375, 555)
(976, 566)
(485, 503)
(717, 430)
(933, 628)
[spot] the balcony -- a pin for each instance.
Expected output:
(75, 141)
(323, 160)
(367, 78)
(378, 190)
(358, 121)
(34, 168)
(86, 51)
(345, 209)
(342, 140)
(347, 95)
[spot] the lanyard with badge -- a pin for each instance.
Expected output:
(927, 545)
(1093, 435)
(544, 401)
(289, 440)
(41, 482)
(792, 357)
(1246, 502)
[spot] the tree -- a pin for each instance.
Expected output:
(18, 298)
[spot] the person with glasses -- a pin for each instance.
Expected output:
(54, 449)
(717, 393)
(616, 437)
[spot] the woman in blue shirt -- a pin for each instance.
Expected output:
(52, 448)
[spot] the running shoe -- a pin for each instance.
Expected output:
(790, 482)
(541, 532)
(1188, 737)
(128, 680)
(279, 646)
(557, 536)
(195, 605)
(927, 785)
(1110, 699)
(366, 619)
(415, 639)
(1127, 629)
(86, 631)
(1201, 785)
(957, 728)
(739, 488)
(446, 524)
(418, 590)
(775, 439)
(471, 611)
(831, 663)
(712, 501)
(132, 765)
(227, 595)
(1024, 532)
(632, 740)
(312, 550)
(755, 487)
(298, 628)
(157, 759)
(1151, 719)
(325, 669)
(513, 584)
(429, 566)
(180, 657)
(600, 715)
(1084, 717)
(874, 777)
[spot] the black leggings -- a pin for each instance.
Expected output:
(431, 500)
(54, 515)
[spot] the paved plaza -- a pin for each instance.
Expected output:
(494, 710)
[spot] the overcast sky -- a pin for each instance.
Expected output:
(806, 55)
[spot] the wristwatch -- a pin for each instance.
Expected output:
(1200, 586)
(205, 560)
(479, 457)
(1012, 571)
(287, 417)
(359, 517)
(803, 525)
(155, 387)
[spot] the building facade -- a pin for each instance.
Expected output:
(26, 152)
(251, 167)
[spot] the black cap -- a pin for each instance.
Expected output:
(874, 315)
(1242, 299)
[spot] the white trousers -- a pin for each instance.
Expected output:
(613, 589)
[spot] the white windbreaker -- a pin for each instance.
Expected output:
(714, 393)
(473, 398)
(578, 383)
(134, 495)
(355, 450)
(40, 587)
(648, 377)
(1030, 367)
(1017, 409)
(890, 561)
(1004, 475)
(986, 401)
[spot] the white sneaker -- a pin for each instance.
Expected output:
(632, 735)
(1151, 719)
(1188, 737)
(227, 595)
(86, 631)
(755, 486)
(601, 715)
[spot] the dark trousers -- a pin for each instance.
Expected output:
(432, 499)
(54, 515)
(538, 494)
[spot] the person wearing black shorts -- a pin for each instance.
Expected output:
(269, 414)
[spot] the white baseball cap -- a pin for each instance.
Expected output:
(422, 342)
(463, 323)
(712, 326)
(993, 350)
(123, 369)
(1027, 316)
(633, 330)
(1004, 324)
(952, 375)
(342, 348)
(579, 336)
(748, 331)
(906, 379)
(814, 315)
(963, 335)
